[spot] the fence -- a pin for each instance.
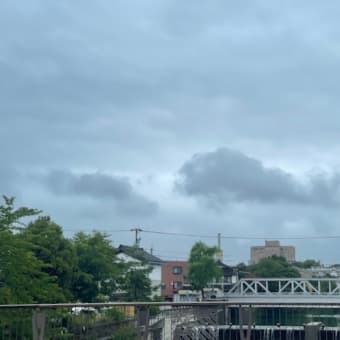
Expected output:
(164, 321)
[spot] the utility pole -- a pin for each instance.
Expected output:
(137, 238)
(219, 249)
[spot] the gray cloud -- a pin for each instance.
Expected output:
(8, 179)
(115, 189)
(140, 86)
(227, 175)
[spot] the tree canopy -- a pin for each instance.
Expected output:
(22, 275)
(56, 252)
(38, 264)
(309, 263)
(137, 285)
(203, 266)
(98, 270)
(274, 266)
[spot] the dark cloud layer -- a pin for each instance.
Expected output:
(137, 87)
(116, 189)
(227, 175)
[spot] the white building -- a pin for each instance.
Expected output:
(140, 256)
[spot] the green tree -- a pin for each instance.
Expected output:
(22, 279)
(272, 267)
(56, 252)
(137, 284)
(98, 268)
(203, 266)
(309, 263)
(10, 217)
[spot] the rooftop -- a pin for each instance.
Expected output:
(139, 254)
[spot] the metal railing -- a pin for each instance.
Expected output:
(310, 287)
(161, 320)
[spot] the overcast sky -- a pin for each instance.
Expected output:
(187, 116)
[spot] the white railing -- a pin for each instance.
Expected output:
(298, 286)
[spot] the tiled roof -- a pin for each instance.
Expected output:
(139, 254)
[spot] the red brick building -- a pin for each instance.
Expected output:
(174, 275)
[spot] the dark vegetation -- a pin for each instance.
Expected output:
(38, 264)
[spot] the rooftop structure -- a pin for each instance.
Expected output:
(139, 254)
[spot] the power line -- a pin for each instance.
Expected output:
(177, 234)
(282, 238)
(230, 237)
(245, 237)
(100, 230)
(170, 252)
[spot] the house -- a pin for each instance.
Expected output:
(139, 255)
(176, 287)
(230, 276)
(174, 275)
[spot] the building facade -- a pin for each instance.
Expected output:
(174, 274)
(176, 286)
(272, 248)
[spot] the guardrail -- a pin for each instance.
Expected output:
(148, 320)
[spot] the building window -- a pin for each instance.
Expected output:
(177, 270)
(163, 285)
(178, 284)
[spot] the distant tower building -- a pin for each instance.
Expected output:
(272, 248)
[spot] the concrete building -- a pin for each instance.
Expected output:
(271, 248)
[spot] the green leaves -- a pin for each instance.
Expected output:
(10, 217)
(136, 284)
(98, 271)
(203, 266)
(39, 265)
(274, 266)
(21, 275)
(55, 251)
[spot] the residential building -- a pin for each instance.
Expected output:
(322, 271)
(270, 249)
(174, 274)
(230, 276)
(140, 256)
(218, 288)
(176, 287)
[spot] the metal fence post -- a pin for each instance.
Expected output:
(143, 323)
(248, 321)
(38, 324)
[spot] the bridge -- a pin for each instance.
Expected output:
(283, 291)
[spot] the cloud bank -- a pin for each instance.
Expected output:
(115, 189)
(226, 175)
